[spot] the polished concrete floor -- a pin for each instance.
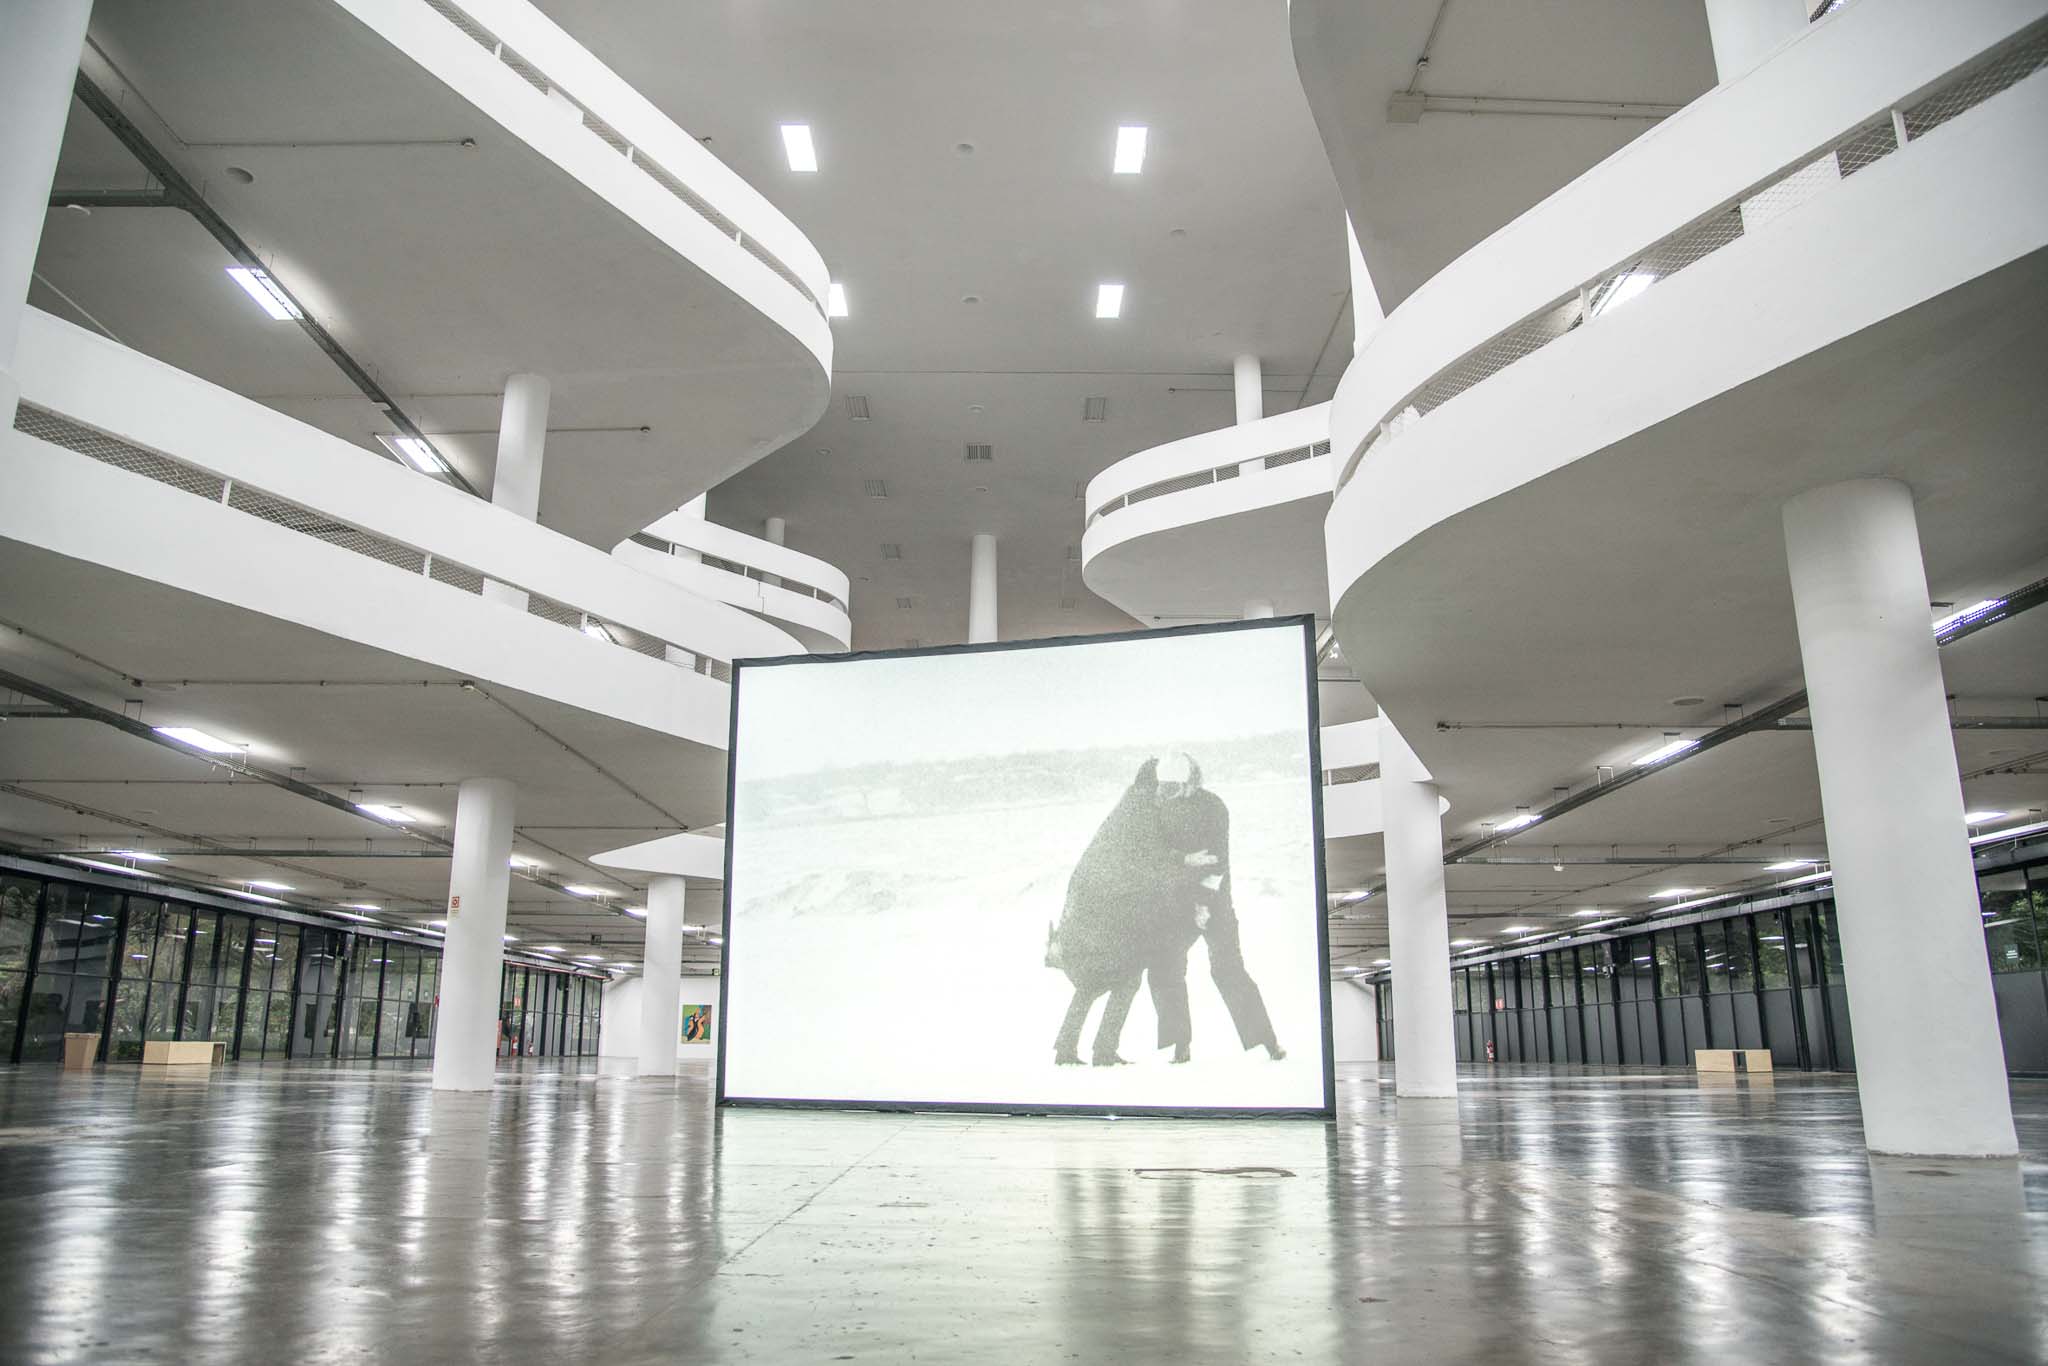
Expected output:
(280, 1213)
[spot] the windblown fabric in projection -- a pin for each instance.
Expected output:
(1074, 874)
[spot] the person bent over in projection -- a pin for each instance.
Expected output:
(1117, 897)
(1194, 825)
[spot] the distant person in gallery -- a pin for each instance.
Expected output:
(1193, 825)
(1118, 900)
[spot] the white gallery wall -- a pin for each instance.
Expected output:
(619, 1024)
(1354, 1024)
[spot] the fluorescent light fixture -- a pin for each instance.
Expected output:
(835, 300)
(529, 864)
(140, 855)
(1622, 289)
(104, 866)
(1109, 301)
(442, 924)
(271, 886)
(351, 915)
(1979, 817)
(1518, 821)
(1801, 881)
(547, 948)
(1382, 962)
(798, 147)
(264, 290)
(263, 941)
(1458, 942)
(595, 629)
(575, 889)
(361, 906)
(1974, 610)
(640, 911)
(589, 958)
(1791, 865)
(1130, 149)
(1589, 910)
(1520, 929)
(1598, 924)
(1677, 891)
(384, 811)
(1669, 750)
(415, 451)
(511, 939)
(252, 896)
(198, 739)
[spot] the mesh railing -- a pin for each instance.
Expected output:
(1356, 773)
(612, 138)
(1195, 479)
(59, 430)
(1787, 189)
(745, 571)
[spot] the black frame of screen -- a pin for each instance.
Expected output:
(1303, 622)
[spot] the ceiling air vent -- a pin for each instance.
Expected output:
(1073, 552)
(1067, 604)
(857, 407)
(874, 488)
(914, 643)
(1095, 409)
(905, 604)
(891, 551)
(976, 451)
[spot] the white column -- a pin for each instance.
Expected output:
(1744, 32)
(1418, 925)
(981, 590)
(774, 529)
(661, 979)
(522, 444)
(473, 954)
(1257, 609)
(39, 45)
(1248, 381)
(1930, 1068)
(695, 508)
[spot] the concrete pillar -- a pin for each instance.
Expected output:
(522, 443)
(1257, 609)
(774, 530)
(39, 45)
(661, 979)
(1930, 1068)
(1418, 926)
(473, 953)
(1744, 32)
(981, 590)
(1248, 382)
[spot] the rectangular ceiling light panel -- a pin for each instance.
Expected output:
(1109, 301)
(835, 301)
(265, 292)
(798, 147)
(1130, 149)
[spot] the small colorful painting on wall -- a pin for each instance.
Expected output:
(696, 1024)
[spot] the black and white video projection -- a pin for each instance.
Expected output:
(1074, 874)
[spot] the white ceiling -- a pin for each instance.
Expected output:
(1230, 241)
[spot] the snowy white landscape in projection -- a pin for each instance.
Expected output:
(903, 836)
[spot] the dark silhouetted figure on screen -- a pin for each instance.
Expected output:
(1194, 825)
(1120, 893)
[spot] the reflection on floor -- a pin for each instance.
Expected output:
(318, 1213)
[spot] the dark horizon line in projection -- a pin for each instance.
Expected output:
(1075, 875)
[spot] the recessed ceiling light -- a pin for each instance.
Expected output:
(141, 855)
(265, 291)
(362, 906)
(384, 811)
(798, 147)
(1130, 149)
(1589, 910)
(1669, 750)
(1109, 301)
(1670, 892)
(198, 739)
(269, 886)
(835, 300)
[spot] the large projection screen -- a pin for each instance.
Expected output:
(949, 870)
